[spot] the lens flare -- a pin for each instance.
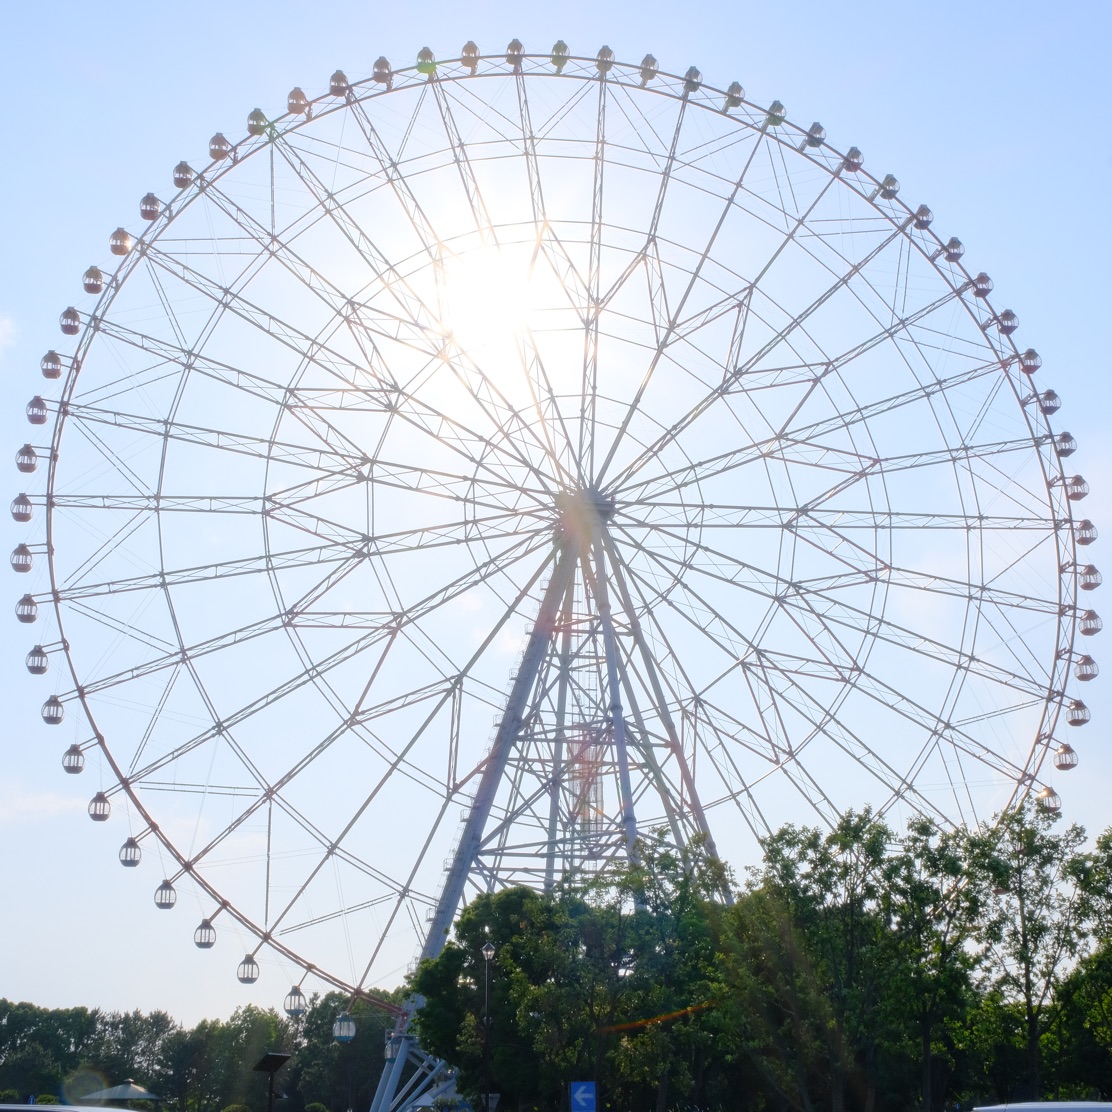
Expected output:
(664, 1018)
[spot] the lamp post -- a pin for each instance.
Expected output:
(270, 1063)
(488, 954)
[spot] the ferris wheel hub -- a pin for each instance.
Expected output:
(582, 514)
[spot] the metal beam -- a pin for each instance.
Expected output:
(538, 645)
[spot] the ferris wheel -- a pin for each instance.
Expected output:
(481, 467)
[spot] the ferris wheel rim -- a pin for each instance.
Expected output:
(165, 219)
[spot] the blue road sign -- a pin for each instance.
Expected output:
(582, 1096)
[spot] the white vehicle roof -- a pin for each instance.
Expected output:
(1044, 1106)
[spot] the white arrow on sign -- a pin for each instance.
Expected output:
(584, 1096)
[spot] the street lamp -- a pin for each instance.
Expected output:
(488, 954)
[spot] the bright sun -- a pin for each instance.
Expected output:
(489, 300)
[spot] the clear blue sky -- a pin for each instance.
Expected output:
(994, 115)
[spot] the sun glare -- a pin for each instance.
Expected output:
(489, 301)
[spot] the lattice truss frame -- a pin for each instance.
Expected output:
(745, 464)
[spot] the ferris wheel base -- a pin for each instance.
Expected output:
(431, 1077)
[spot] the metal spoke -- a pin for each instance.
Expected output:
(310, 349)
(380, 632)
(674, 317)
(803, 597)
(799, 448)
(589, 386)
(736, 370)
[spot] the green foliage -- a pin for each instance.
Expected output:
(814, 928)
(1042, 905)
(447, 1104)
(29, 1068)
(76, 1051)
(1079, 1061)
(325, 1072)
(612, 982)
(937, 886)
(856, 969)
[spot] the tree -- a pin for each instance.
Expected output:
(31, 1069)
(823, 910)
(936, 886)
(245, 1038)
(775, 1008)
(529, 941)
(129, 1044)
(671, 987)
(608, 982)
(202, 1082)
(180, 1069)
(56, 1039)
(1041, 908)
(1081, 1036)
(325, 1072)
